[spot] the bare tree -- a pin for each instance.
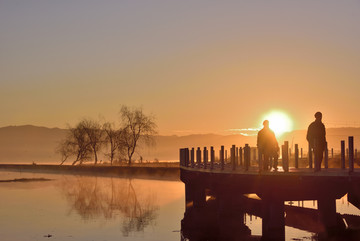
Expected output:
(65, 149)
(94, 135)
(79, 143)
(76, 144)
(113, 138)
(136, 126)
(88, 137)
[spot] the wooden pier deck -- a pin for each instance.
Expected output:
(228, 180)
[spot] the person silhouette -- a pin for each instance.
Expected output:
(268, 146)
(317, 141)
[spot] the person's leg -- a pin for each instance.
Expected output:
(266, 161)
(321, 155)
(275, 162)
(318, 159)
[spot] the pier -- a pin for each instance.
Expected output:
(225, 181)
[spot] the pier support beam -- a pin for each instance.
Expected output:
(189, 196)
(230, 218)
(194, 196)
(199, 197)
(273, 223)
(328, 216)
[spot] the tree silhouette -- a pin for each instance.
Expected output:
(94, 134)
(136, 126)
(89, 137)
(113, 139)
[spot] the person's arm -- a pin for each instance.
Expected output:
(276, 144)
(308, 134)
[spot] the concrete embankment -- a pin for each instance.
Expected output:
(146, 172)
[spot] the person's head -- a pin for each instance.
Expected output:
(318, 116)
(266, 123)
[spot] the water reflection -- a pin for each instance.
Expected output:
(93, 198)
(110, 208)
(214, 221)
(208, 224)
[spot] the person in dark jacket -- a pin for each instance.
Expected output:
(317, 140)
(268, 146)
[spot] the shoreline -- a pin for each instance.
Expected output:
(160, 172)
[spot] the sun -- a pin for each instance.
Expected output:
(279, 122)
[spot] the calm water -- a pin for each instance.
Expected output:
(102, 208)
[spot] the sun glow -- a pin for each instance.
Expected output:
(279, 122)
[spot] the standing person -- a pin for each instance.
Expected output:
(317, 140)
(268, 146)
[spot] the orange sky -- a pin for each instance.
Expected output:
(198, 67)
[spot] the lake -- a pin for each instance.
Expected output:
(74, 207)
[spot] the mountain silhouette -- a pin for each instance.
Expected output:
(28, 144)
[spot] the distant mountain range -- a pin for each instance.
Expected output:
(27, 144)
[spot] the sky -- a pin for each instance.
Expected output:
(197, 66)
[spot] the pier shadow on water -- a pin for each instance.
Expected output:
(226, 220)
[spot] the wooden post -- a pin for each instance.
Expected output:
(187, 157)
(246, 156)
(332, 153)
(283, 155)
(286, 167)
(310, 157)
(351, 153)
(326, 161)
(192, 157)
(241, 155)
(198, 157)
(254, 154)
(301, 155)
(233, 162)
(237, 156)
(355, 154)
(226, 160)
(205, 157)
(296, 156)
(212, 157)
(182, 157)
(220, 156)
(222, 152)
(249, 157)
(342, 154)
(185, 161)
(289, 154)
